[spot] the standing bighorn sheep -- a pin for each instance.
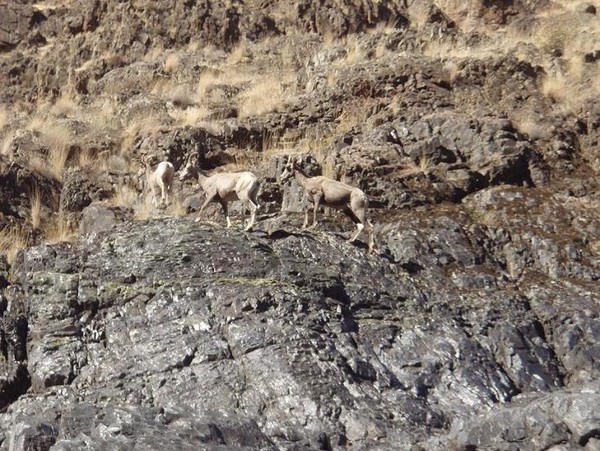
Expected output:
(224, 188)
(323, 190)
(159, 179)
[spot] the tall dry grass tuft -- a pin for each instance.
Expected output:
(57, 159)
(12, 240)
(3, 117)
(239, 54)
(6, 144)
(57, 138)
(128, 197)
(65, 106)
(266, 95)
(35, 203)
(59, 230)
(422, 166)
(191, 116)
(206, 81)
(138, 125)
(172, 63)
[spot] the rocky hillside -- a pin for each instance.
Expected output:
(472, 127)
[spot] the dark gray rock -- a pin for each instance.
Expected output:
(181, 335)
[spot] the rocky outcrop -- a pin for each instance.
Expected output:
(187, 335)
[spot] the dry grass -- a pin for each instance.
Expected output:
(138, 125)
(206, 81)
(240, 54)
(128, 196)
(35, 207)
(265, 96)
(190, 116)
(12, 240)
(3, 117)
(527, 124)
(177, 209)
(354, 114)
(65, 106)
(172, 63)
(60, 230)
(57, 138)
(273, 145)
(87, 159)
(57, 159)
(422, 167)
(125, 196)
(6, 145)
(179, 95)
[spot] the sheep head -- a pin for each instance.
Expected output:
(190, 170)
(290, 166)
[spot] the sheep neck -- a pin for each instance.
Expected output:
(202, 178)
(300, 176)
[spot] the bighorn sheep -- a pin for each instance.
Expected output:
(224, 188)
(161, 178)
(323, 190)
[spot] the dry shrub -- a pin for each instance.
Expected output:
(553, 36)
(153, 53)
(102, 114)
(12, 240)
(355, 52)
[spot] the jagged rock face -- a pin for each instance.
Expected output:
(181, 335)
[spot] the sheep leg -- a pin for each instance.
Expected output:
(162, 193)
(167, 194)
(371, 237)
(253, 209)
(316, 202)
(207, 201)
(305, 225)
(226, 213)
(154, 201)
(360, 227)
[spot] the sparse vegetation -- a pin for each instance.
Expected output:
(263, 97)
(59, 229)
(12, 240)
(35, 202)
